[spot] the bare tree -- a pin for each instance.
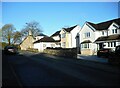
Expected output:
(8, 33)
(17, 38)
(33, 26)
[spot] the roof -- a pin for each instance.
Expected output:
(26, 38)
(104, 25)
(86, 41)
(55, 34)
(106, 38)
(69, 29)
(41, 34)
(45, 39)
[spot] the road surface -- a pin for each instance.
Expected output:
(38, 69)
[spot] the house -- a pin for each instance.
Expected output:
(39, 36)
(96, 36)
(57, 38)
(27, 42)
(68, 36)
(110, 34)
(44, 42)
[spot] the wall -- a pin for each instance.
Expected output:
(70, 52)
(62, 39)
(112, 27)
(43, 45)
(27, 43)
(73, 36)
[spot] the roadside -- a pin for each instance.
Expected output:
(92, 58)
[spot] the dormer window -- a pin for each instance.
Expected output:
(114, 31)
(102, 32)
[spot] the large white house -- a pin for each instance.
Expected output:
(101, 35)
(68, 36)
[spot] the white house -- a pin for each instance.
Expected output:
(44, 42)
(68, 36)
(38, 37)
(96, 36)
(87, 37)
(57, 38)
(110, 36)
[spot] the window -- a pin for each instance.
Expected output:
(85, 45)
(44, 45)
(114, 44)
(108, 44)
(102, 32)
(87, 34)
(52, 45)
(114, 31)
(63, 35)
(63, 44)
(111, 44)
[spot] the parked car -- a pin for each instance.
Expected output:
(114, 58)
(10, 50)
(104, 52)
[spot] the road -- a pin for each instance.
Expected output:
(38, 69)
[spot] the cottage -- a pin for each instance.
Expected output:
(27, 42)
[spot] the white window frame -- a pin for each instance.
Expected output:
(85, 46)
(87, 35)
(63, 35)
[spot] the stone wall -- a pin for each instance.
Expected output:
(69, 52)
(86, 52)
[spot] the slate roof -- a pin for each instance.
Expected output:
(104, 25)
(45, 39)
(107, 38)
(41, 34)
(69, 29)
(86, 41)
(55, 34)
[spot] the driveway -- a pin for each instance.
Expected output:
(92, 58)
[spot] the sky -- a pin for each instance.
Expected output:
(52, 16)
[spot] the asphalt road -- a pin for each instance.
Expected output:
(32, 69)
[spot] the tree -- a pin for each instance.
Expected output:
(17, 38)
(8, 33)
(33, 26)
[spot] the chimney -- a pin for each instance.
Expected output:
(29, 32)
